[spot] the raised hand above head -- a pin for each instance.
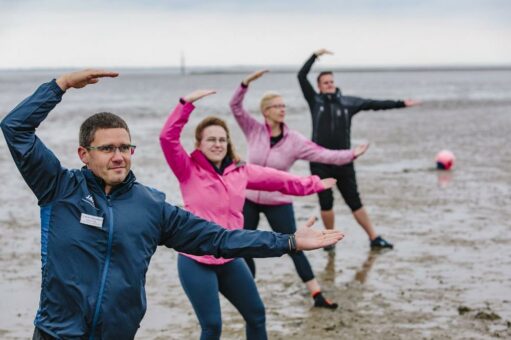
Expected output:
(198, 94)
(253, 76)
(83, 78)
(359, 150)
(322, 51)
(308, 238)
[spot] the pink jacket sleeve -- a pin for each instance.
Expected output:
(269, 179)
(176, 156)
(245, 120)
(312, 152)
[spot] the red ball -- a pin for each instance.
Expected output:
(445, 160)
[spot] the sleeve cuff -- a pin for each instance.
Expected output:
(56, 88)
(285, 244)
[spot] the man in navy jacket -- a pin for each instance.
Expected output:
(100, 227)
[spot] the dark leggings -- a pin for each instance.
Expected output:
(346, 183)
(202, 283)
(282, 220)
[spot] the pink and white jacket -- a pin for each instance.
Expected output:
(293, 146)
(220, 198)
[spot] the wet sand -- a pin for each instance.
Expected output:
(449, 276)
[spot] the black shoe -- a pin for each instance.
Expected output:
(321, 302)
(330, 248)
(381, 243)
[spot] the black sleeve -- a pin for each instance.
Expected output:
(305, 85)
(361, 104)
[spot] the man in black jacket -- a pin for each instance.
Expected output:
(331, 128)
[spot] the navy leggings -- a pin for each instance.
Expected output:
(282, 220)
(202, 283)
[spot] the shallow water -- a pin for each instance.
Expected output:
(451, 229)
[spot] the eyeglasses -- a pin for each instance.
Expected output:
(110, 149)
(213, 140)
(276, 106)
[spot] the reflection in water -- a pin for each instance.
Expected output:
(444, 177)
(361, 275)
(329, 273)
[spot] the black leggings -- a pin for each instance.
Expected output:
(346, 183)
(282, 220)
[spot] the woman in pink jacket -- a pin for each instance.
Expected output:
(213, 181)
(272, 144)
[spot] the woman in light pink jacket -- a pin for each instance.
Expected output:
(272, 144)
(213, 182)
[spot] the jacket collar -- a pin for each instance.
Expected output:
(332, 96)
(204, 163)
(98, 185)
(285, 129)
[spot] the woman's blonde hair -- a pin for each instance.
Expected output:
(267, 97)
(215, 121)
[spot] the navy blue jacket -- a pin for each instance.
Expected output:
(93, 278)
(332, 113)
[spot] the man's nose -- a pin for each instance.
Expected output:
(117, 155)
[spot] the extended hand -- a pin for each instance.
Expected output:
(83, 78)
(322, 51)
(198, 94)
(256, 75)
(308, 238)
(360, 149)
(411, 102)
(328, 183)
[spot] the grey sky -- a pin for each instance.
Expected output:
(60, 33)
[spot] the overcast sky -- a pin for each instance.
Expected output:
(120, 33)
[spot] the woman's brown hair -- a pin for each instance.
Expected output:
(212, 121)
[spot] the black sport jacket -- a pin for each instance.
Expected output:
(332, 113)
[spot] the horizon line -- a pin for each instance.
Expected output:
(211, 69)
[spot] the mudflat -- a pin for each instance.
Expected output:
(449, 275)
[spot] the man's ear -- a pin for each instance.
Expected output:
(83, 153)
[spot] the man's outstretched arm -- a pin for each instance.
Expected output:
(36, 163)
(190, 234)
(371, 104)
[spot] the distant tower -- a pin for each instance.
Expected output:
(183, 65)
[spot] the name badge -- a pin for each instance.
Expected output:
(91, 220)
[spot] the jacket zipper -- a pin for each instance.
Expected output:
(105, 269)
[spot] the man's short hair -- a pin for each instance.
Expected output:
(324, 73)
(102, 120)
